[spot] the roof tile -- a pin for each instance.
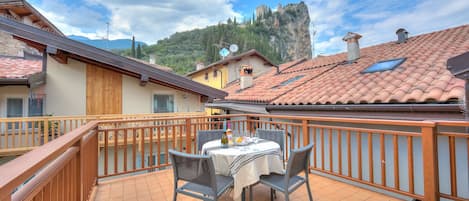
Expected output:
(422, 77)
(18, 67)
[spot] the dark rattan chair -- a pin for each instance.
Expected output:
(204, 136)
(277, 136)
(297, 163)
(199, 174)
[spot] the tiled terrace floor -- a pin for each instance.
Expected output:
(158, 186)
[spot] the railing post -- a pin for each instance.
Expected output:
(46, 130)
(430, 164)
(305, 132)
(188, 135)
(248, 124)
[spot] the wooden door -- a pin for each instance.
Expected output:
(103, 91)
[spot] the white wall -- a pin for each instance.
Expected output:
(139, 99)
(255, 62)
(65, 88)
(13, 92)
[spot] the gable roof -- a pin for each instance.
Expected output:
(252, 52)
(87, 53)
(422, 78)
(22, 8)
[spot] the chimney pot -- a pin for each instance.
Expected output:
(353, 48)
(199, 66)
(402, 35)
(246, 77)
(152, 59)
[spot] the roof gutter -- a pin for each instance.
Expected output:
(453, 107)
(13, 81)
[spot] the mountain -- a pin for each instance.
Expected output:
(103, 43)
(281, 36)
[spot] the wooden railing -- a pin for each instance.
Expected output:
(64, 169)
(20, 135)
(424, 160)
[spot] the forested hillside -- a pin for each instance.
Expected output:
(280, 36)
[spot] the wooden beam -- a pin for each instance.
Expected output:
(35, 45)
(59, 55)
(144, 80)
(14, 15)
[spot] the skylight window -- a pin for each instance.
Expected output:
(286, 82)
(384, 65)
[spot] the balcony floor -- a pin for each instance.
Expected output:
(158, 186)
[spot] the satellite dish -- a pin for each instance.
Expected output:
(224, 52)
(233, 48)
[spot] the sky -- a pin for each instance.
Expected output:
(152, 20)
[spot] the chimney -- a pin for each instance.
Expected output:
(246, 77)
(199, 66)
(353, 48)
(402, 35)
(152, 59)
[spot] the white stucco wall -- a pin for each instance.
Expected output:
(256, 63)
(13, 92)
(65, 88)
(139, 99)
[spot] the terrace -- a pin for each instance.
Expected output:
(353, 159)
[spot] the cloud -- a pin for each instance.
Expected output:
(148, 20)
(377, 21)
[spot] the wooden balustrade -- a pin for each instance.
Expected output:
(55, 171)
(405, 157)
(20, 135)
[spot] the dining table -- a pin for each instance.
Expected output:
(245, 163)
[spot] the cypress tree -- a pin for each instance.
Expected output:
(139, 51)
(133, 46)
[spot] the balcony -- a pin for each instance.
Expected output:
(120, 158)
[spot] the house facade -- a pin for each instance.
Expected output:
(220, 73)
(71, 78)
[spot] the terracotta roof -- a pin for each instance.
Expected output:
(252, 52)
(423, 77)
(15, 67)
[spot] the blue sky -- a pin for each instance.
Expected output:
(152, 20)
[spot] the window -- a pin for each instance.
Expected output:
(163, 103)
(14, 107)
(286, 82)
(384, 65)
(206, 75)
(215, 73)
(35, 107)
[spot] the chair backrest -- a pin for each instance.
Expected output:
(298, 161)
(193, 168)
(204, 136)
(277, 136)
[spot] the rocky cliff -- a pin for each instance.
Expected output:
(281, 35)
(289, 29)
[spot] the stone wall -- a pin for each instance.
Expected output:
(13, 47)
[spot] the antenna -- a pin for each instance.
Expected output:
(233, 48)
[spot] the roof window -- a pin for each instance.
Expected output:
(384, 65)
(286, 82)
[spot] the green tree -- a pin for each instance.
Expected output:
(133, 46)
(139, 51)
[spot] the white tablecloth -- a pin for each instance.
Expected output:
(245, 163)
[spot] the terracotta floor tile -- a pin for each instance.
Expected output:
(158, 186)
